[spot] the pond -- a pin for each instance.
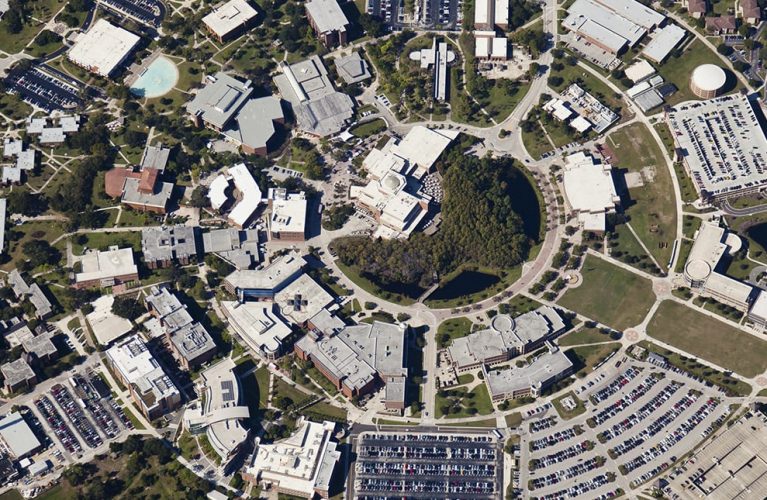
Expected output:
(524, 201)
(758, 233)
(466, 283)
(157, 80)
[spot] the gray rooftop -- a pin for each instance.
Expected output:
(352, 68)
(192, 340)
(327, 323)
(34, 293)
(158, 198)
(3, 205)
(274, 277)
(540, 372)
(41, 346)
(17, 435)
(395, 389)
(240, 248)
(220, 99)
(168, 243)
(255, 122)
(155, 157)
(327, 15)
(17, 372)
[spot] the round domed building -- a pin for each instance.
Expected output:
(708, 81)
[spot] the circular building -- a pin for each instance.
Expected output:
(696, 272)
(708, 81)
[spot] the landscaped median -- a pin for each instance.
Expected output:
(708, 338)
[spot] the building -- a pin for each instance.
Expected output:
(225, 105)
(191, 344)
(243, 203)
(491, 47)
(325, 323)
(612, 25)
(712, 244)
(639, 71)
(161, 246)
(220, 412)
(722, 145)
(33, 293)
(590, 109)
(329, 22)
(288, 215)
(229, 20)
(106, 325)
(103, 48)
(529, 380)
(107, 268)
(238, 247)
(319, 108)
(41, 347)
(18, 376)
(505, 339)
(151, 389)
(663, 43)
(352, 68)
(301, 465)
(590, 190)
(3, 210)
(142, 189)
(302, 299)
(491, 14)
(359, 358)
(17, 437)
(750, 11)
(721, 25)
(696, 8)
(437, 57)
(708, 81)
(53, 130)
(259, 326)
(264, 284)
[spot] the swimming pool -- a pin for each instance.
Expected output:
(157, 80)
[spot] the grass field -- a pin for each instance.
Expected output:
(576, 74)
(709, 339)
(459, 402)
(453, 328)
(652, 207)
(40, 12)
(513, 419)
(584, 336)
(587, 357)
(40, 230)
(684, 251)
(610, 295)
(369, 128)
(678, 70)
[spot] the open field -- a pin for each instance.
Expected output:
(584, 336)
(610, 294)
(709, 339)
(452, 329)
(652, 207)
(585, 358)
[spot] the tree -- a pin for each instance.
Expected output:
(40, 252)
(127, 307)
(25, 203)
(724, 49)
(12, 20)
(199, 198)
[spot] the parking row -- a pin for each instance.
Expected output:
(372, 485)
(543, 424)
(430, 453)
(557, 437)
(43, 90)
(621, 404)
(562, 455)
(669, 441)
(645, 411)
(150, 12)
(60, 429)
(581, 489)
(568, 473)
(537, 410)
(615, 385)
(656, 426)
(75, 414)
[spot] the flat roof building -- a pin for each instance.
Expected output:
(230, 19)
(264, 284)
(53, 130)
(506, 338)
(664, 41)
(319, 108)
(352, 68)
(302, 299)
(722, 145)
(18, 375)
(360, 357)
(107, 268)
(220, 413)
(243, 207)
(102, 48)
(639, 71)
(328, 21)
(259, 325)
(288, 217)
(149, 386)
(529, 380)
(107, 326)
(3, 209)
(301, 465)
(590, 190)
(41, 346)
(33, 292)
(17, 437)
(163, 245)
(238, 247)
(188, 339)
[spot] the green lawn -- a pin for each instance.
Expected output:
(323, 411)
(584, 336)
(684, 251)
(652, 208)
(40, 12)
(609, 294)
(587, 357)
(678, 70)
(452, 329)
(13, 107)
(42, 230)
(369, 128)
(565, 413)
(709, 339)
(577, 74)
(536, 143)
(513, 419)
(461, 403)
(627, 246)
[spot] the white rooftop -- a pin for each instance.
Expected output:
(639, 71)
(589, 186)
(327, 15)
(17, 435)
(107, 264)
(102, 48)
(229, 16)
(663, 43)
(250, 195)
(288, 213)
(258, 325)
(106, 326)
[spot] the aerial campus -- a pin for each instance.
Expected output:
(431, 249)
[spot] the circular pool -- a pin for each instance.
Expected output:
(156, 80)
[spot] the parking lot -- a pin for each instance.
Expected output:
(639, 419)
(149, 12)
(427, 465)
(43, 90)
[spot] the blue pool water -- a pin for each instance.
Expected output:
(157, 80)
